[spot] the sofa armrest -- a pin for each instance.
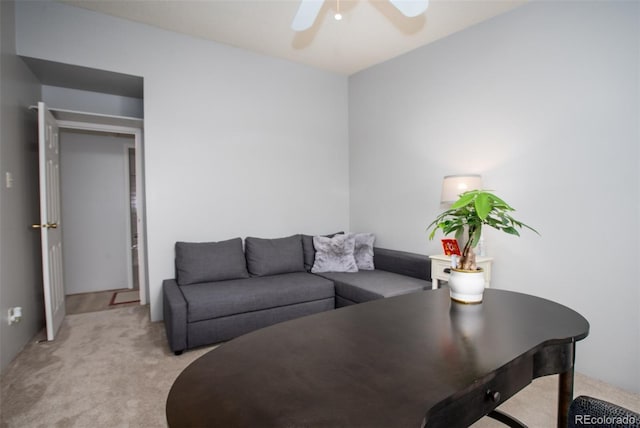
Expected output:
(175, 315)
(403, 263)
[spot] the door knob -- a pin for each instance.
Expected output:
(45, 226)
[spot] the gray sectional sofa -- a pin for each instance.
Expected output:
(222, 291)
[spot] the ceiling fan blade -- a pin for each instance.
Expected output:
(410, 8)
(307, 14)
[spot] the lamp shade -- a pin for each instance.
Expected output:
(454, 185)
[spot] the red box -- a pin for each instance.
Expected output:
(450, 247)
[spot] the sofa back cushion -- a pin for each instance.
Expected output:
(209, 261)
(274, 256)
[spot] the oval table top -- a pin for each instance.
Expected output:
(382, 363)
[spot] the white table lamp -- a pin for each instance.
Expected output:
(454, 185)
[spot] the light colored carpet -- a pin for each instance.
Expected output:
(106, 369)
(114, 369)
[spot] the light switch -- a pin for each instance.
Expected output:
(8, 179)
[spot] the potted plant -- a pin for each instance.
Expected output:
(465, 218)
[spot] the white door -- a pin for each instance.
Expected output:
(50, 225)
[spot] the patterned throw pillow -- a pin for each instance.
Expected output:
(309, 251)
(363, 252)
(334, 254)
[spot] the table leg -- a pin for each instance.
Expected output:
(565, 391)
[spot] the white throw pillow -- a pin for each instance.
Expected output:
(363, 252)
(334, 254)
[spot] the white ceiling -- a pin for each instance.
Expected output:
(372, 31)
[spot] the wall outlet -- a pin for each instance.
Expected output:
(15, 315)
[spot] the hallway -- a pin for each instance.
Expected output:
(101, 301)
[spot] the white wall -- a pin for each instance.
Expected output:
(92, 102)
(544, 103)
(93, 170)
(236, 143)
(20, 269)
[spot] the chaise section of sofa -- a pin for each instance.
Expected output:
(395, 273)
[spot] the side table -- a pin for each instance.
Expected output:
(440, 262)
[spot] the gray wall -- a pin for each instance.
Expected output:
(543, 102)
(93, 170)
(20, 270)
(236, 143)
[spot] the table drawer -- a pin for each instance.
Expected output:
(481, 398)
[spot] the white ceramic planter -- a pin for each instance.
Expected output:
(466, 286)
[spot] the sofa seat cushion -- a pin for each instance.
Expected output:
(366, 285)
(218, 299)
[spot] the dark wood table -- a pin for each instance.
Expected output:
(408, 361)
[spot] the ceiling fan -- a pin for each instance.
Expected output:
(309, 9)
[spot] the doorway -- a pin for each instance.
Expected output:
(95, 210)
(99, 209)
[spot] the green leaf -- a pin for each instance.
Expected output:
(483, 205)
(497, 201)
(465, 199)
(511, 231)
